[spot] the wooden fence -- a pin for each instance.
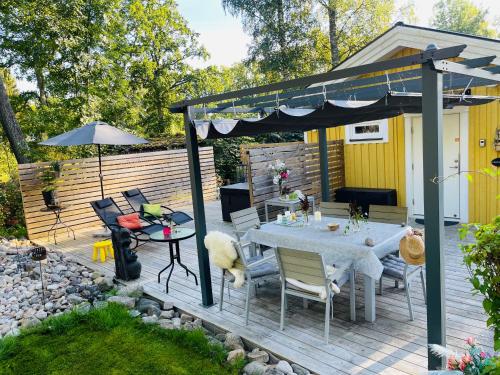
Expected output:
(162, 176)
(302, 159)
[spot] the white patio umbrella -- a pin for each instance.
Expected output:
(96, 133)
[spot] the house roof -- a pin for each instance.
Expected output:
(402, 36)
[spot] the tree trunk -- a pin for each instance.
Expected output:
(11, 128)
(332, 32)
(282, 37)
(40, 82)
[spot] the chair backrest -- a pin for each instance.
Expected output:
(107, 210)
(388, 214)
(335, 209)
(241, 262)
(135, 198)
(245, 219)
(304, 266)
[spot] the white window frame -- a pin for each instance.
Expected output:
(382, 136)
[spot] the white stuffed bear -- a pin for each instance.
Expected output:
(222, 253)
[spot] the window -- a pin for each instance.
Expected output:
(367, 132)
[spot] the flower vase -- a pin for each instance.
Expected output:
(306, 217)
(356, 226)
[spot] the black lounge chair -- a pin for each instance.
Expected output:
(107, 210)
(136, 199)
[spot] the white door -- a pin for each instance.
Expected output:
(451, 166)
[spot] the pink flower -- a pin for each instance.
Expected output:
(462, 365)
(466, 358)
(452, 363)
(284, 175)
(470, 341)
(482, 355)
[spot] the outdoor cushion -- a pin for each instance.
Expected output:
(152, 209)
(264, 269)
(394, 267)
(130, 221)
(103, 203)
(132, 192)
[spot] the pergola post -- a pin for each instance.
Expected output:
(323, 165)
(198, 209)
(432, 132)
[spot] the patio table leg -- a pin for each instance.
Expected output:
(369, 298)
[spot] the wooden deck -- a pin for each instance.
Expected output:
(391, 345)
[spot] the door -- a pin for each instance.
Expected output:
(451, 166)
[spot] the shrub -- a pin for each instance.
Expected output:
(482, 258)
(11, 209)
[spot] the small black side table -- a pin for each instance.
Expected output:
(173, 239)
(58, 224)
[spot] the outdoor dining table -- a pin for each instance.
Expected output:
(338, 248)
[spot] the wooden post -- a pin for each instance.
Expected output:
(432, 132)
(198, 209)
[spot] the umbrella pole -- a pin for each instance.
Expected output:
(100, 170)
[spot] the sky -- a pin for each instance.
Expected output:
(225, 40)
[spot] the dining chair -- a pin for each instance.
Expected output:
(304, 274)
(388, 214)
(335, 209)
(256, 269)
(244, 220)
(398, 269)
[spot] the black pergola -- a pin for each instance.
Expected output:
(315, 102)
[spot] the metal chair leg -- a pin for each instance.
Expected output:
(423, 284)
(221, 297)
(352, 294)
(247, 302)
(410, 307)
(282, 312)
(380, 289)
(327, 317)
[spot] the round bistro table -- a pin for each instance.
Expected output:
(173, 239)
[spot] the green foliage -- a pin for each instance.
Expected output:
(50, 177)
(11, 209)
(109, 341)
(482, 258)
(227, 155)
(462, 16)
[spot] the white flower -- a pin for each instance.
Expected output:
(299, 194)
(276, 179)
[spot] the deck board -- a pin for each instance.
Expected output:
(391, 345)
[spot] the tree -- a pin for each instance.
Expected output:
(354, 23)
(286, 37)
(11, 128)
(462, 16)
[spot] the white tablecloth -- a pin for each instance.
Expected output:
(337, 248)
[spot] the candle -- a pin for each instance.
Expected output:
(279, 218)
(317, 216)
(287, 213)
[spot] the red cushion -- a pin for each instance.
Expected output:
(130, 221)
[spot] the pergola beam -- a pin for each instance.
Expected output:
(419, 58)
(452, 67)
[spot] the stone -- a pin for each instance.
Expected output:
(100, 304)
(299, 370)
(255, 368)
(104, 283)
(84, 307)
(74, 299)
(94, 275)
(167, 314)
(128, 302)
(198, 323)
(176, 322)
(30, 322)
(144, 303)
(168, 305)
(258, 356)
(221, 337)
(153, 310)
(234, 355)
(41, 315)
(166, 323)
(134, 313)
(150, 319)
(60, 268)
(284, 367)
(186, 318)
(131, 291)
(272, 370)
(48, 306)
(233, 342)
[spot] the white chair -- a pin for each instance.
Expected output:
(244, 220)
(335, 209)
(308, 270)
(397, 269)
(257, 269)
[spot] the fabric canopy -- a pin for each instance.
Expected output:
(331, 114)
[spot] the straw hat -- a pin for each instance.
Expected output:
(412, 249)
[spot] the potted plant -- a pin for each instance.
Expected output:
(356, 218)
(50, 178)
(280, 174)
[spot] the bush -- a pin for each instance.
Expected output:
(11, 209)
(482, 258)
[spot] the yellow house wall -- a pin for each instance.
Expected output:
(483, 190)
(382, 165)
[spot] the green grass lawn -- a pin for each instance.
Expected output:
(109, 341)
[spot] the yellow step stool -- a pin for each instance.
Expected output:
(101, 249)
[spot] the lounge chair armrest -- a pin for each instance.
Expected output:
(167, 208)
(260, 261)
